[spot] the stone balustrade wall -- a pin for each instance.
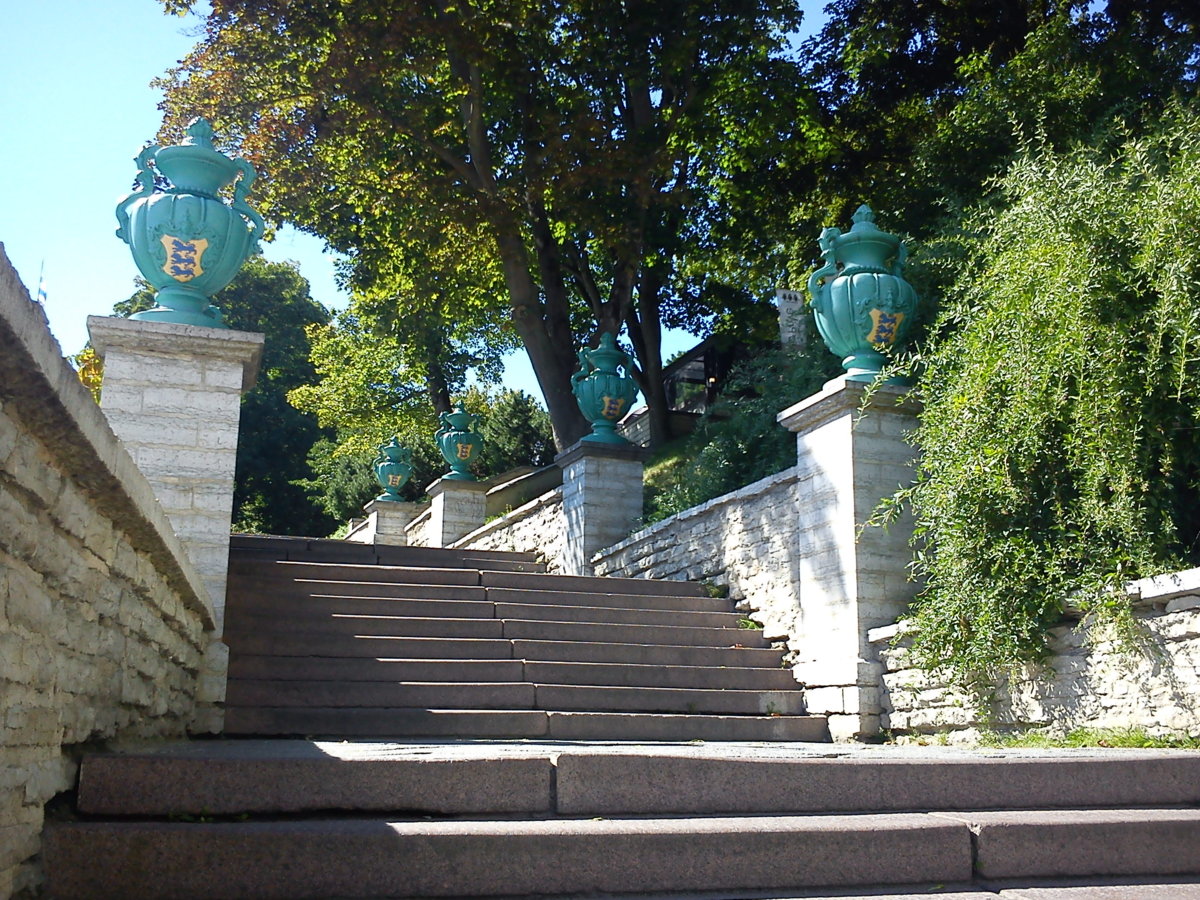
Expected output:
(744, 541)
(1090, 679)
(538, 526)
(103, 619)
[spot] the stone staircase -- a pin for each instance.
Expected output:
(351, 640)
(449, 656)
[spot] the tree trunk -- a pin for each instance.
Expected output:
(546, 334)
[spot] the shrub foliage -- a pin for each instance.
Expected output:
(1060, 439)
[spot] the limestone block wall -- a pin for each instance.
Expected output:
(103, 619)
(1090, 679)
(538, 526)
(744, 540)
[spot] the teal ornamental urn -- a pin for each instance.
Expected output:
(393, 468)
(186, 240)
(861, 302)
(604, 393)
(459, 442)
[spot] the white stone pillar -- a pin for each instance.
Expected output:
(457, 509)
(172, 394)
(852, 578)
(387, 522)
(601, 498)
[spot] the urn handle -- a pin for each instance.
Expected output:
(240, 191)
(144, 187)
(816, 281)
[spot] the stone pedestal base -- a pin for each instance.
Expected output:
(173, 395)
(602, 499)
(387, 523)
(458, 508)
(852, 578)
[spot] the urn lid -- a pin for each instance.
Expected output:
(607, 356)
(459, 420)
(195, 166)
(864, 248)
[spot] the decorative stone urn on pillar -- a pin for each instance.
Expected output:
(459, 443)
(860, 300)
(393, 468)
(604, 393)
(186, 240)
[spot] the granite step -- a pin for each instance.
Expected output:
(404, 723)
(663, 783)
(592, 585)
(282, 572)
(277, 776)
(248, 666)
(266, 548)
(351, 694)
(372, 647)
(616, 615)
(242, 625)
(660, 676)
(310, 605)
(663, 655)
(669, 635)
(372, 857)
(510, 695)
(282, 592)
(612, 598)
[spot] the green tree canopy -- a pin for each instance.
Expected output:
(594, 153)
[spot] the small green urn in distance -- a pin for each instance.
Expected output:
(393, 468)
(860, 299)
(604, 392)
(459, 442)
(185, 239)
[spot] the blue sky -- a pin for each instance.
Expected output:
(75, 107)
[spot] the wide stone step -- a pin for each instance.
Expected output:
(285, 609)
(280, 593)
(278, 776)
(482, 724)
(591, 585)
(675, 700)
(379, 858)
(614, 615)
(634, 675)
(1087, 842)
(241, 625)
(444, 695)
(657, 784)
(662, 655)
(385, 722)
(630, 726)
(514, 695)
(247, 666)
(281, 777)
(608, 598)
(324, 571)
(672, 635)
(310, 605)
(260, 548)
(321, 645)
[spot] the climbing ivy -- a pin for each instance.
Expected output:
(1060, 439)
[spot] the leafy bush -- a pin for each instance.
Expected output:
(1060, 433)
